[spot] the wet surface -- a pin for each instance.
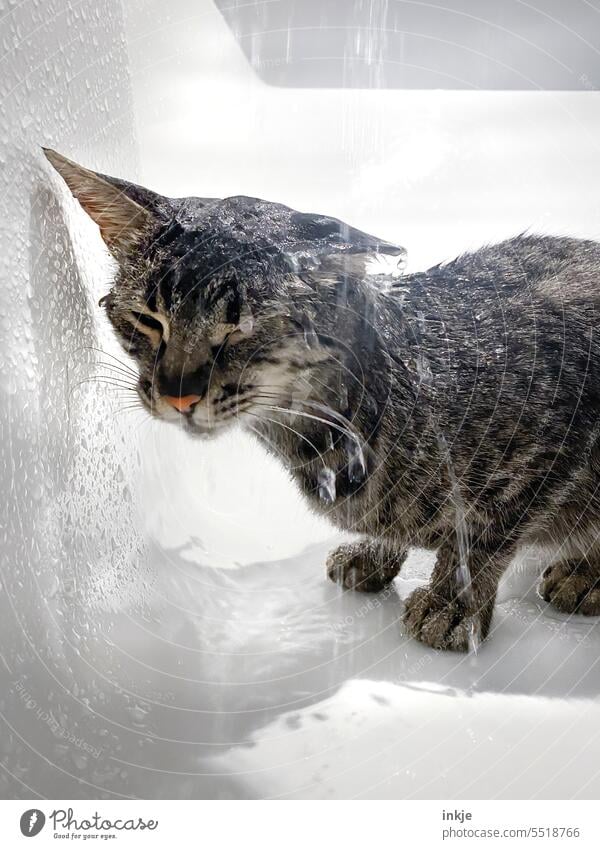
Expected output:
(231, 682)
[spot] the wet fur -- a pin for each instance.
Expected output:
(497, 351)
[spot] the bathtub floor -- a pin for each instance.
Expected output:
(267, 681)
(297, 689)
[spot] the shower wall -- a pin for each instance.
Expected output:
(67, 457)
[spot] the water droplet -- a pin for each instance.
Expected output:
(424, 369)
(326, 479)
(37, 491)
(357, 469)
(246, 325)
(79, 760)
(137, 713)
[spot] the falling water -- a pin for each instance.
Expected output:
(463, 572)
(356, 460)
(310, 336)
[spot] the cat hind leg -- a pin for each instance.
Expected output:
(573, 585)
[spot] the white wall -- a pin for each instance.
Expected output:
(437, 171)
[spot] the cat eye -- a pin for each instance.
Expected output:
(150, 325)
(147, 321)
(244, 329)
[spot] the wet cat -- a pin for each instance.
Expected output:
(454, 409)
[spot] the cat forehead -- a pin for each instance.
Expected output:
(232, 224)
(191, 295)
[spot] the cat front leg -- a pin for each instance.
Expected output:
(367, 566)
(455, 610)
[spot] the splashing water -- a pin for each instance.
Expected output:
(327, 492)
(246, 325)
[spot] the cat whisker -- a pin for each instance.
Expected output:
(325, 408)
(128, 408)
(124, 365)
(115, 368)
(291, 429)
(106, 378)
(121, 387)
(112, 356)
(114, 376)
(355, 437)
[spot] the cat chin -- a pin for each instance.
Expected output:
(199, 431)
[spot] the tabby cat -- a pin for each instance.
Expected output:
(454, 409)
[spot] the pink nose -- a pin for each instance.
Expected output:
(185, 404)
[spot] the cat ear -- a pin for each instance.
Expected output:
(124, 212)
(338, 247)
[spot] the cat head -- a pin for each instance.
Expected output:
(214, 298)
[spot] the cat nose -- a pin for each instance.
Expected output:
(183, 404)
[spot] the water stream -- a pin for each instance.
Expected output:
(463, 572)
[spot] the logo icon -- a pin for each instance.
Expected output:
(32, 822)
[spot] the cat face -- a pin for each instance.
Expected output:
(211, 347)
(215, 299)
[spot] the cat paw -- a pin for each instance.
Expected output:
(361, 566)
(571, 588)
(438, 623)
